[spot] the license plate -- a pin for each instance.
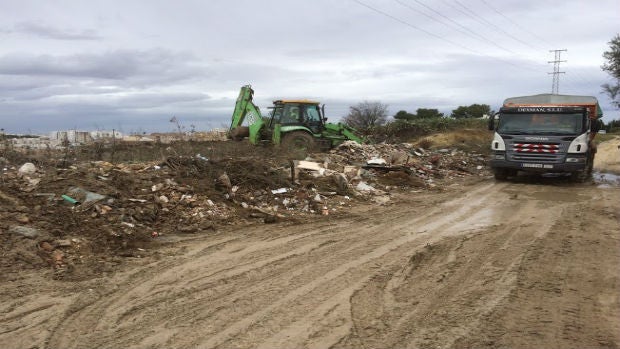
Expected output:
(536, 165)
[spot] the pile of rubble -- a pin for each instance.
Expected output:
(96, 210)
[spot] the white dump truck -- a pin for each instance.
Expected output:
(545, 133)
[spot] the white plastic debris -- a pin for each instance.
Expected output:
(376, 161)
(363, 186)
(279, 191)
(309, 165)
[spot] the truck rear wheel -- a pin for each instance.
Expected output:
(298, 143)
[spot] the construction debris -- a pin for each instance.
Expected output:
(97, 209)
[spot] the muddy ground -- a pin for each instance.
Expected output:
(436, 254)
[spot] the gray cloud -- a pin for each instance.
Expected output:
(114, 65)
(50, 32)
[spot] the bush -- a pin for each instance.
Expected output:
(399, 131)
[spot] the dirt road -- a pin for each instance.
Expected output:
(531, 263)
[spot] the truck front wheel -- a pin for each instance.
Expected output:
(585, 174)
(503, 173)
(500, 174)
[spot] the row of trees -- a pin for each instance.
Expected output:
(369, 114)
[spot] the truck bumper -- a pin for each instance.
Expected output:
(538, 167)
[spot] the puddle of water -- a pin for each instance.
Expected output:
(606, 180)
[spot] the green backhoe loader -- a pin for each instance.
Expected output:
(297, 125)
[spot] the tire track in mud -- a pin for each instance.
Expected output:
(444, 290)
(306, 288)
(91, 315)
(574, 300)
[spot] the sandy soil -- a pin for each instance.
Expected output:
(608, 157)
(530, 263)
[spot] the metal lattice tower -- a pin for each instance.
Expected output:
(555, 86)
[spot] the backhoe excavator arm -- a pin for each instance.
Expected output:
(245, 108)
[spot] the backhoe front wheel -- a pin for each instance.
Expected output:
(298, 143)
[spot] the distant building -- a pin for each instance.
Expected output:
(137, 138)
(30, 142)
(106, 134)
(71, 136)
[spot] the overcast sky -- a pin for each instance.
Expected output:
(133, 65)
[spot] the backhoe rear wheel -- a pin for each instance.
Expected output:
(298, 143)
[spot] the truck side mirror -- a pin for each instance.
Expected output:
(595, 125)
(491, 124)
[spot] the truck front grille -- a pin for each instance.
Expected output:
(535, 152)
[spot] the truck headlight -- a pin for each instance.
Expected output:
(501, 156)
(575, 159)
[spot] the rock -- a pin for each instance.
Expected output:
(24, 231)
(63, 243)
(22, 219)
(163, 199)
(381, 199)
(270, 219)
(342, 182)
(351, 171)
(27, 168)
(399, 158)
(224, 180)
(46, 246)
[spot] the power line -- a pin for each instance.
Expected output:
(439, 37)
(517, 24)
(413, 26)
(538, 37)
(467, 32)
(483, 21)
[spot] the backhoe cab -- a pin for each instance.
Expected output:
(297, 125)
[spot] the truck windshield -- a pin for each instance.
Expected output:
(522, 123)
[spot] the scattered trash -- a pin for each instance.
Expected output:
(362, 186)
(85, 196)
(325, 211)
(70, 200)
(279, 191)
(376, 161)
(309, 165)
(137, 200)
